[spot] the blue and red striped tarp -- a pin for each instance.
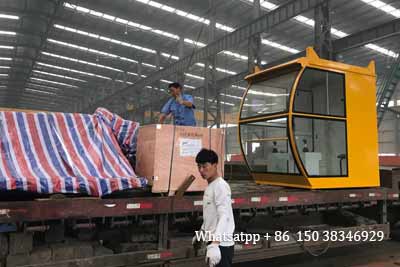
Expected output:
(67, 153)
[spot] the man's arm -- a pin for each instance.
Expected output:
(187, 101)
(223, 201)
(165, 111)
(187, 104)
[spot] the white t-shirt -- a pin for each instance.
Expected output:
(217, 212)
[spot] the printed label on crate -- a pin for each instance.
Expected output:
(153, 256)
(189, 147)
(131, 206)
(4, 212)
(198, 203)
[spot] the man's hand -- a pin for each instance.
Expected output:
(179, 99)
(162, 118)
(213, 256)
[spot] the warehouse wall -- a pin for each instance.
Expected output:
(389, 139)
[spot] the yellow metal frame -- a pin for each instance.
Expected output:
(361, 126)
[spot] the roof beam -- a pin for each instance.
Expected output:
(367, 36)
(42, 25)
(358, 39)
(263, 24)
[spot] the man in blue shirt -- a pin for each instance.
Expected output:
(180, 106)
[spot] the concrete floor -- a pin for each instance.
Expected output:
(385, 254)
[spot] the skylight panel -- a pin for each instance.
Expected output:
(232, 96)
(95, 13)
(58, 75)
(168, 8)
(194, 76)
(158, 31)
(53, 82)
(224, 27)
(166, 81)
(149, 65)
(39, 91)
(73, 70)
(6, 47)
(382, 50)
(94, 51)
(226, 71)
(121, 81)
(122, 21)
(169, 56)
(108, 17)
(81, 61)
(44, 86)
(136, 74)
(239, 87)
(181, 13)
(104, 38)
(6, 16)
(155, 4)
(389, 9)
(268, 5)
(189, 41)
(7, 33)
(82, 9)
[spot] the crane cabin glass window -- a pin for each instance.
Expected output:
(320, 92)
(267, 148)
(271, 94)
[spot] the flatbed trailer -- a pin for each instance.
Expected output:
(35, 221)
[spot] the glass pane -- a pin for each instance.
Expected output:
(320, 92)
(269, 96)
(266, 146)
(322, 146)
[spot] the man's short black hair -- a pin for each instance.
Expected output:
(175, 85)
(206, 155)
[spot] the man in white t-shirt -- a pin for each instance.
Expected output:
(218, 223)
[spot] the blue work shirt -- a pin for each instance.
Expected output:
(183, 115)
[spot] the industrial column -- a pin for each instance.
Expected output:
(209, 69)
(322, 30)
(180, 74)
(254, 48)
(153, 92)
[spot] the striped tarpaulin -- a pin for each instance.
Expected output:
(67, 153)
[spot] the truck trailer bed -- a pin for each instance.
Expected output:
(246, 195)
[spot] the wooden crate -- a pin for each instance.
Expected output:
(168, 152)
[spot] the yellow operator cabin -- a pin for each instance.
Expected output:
(311, 123)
